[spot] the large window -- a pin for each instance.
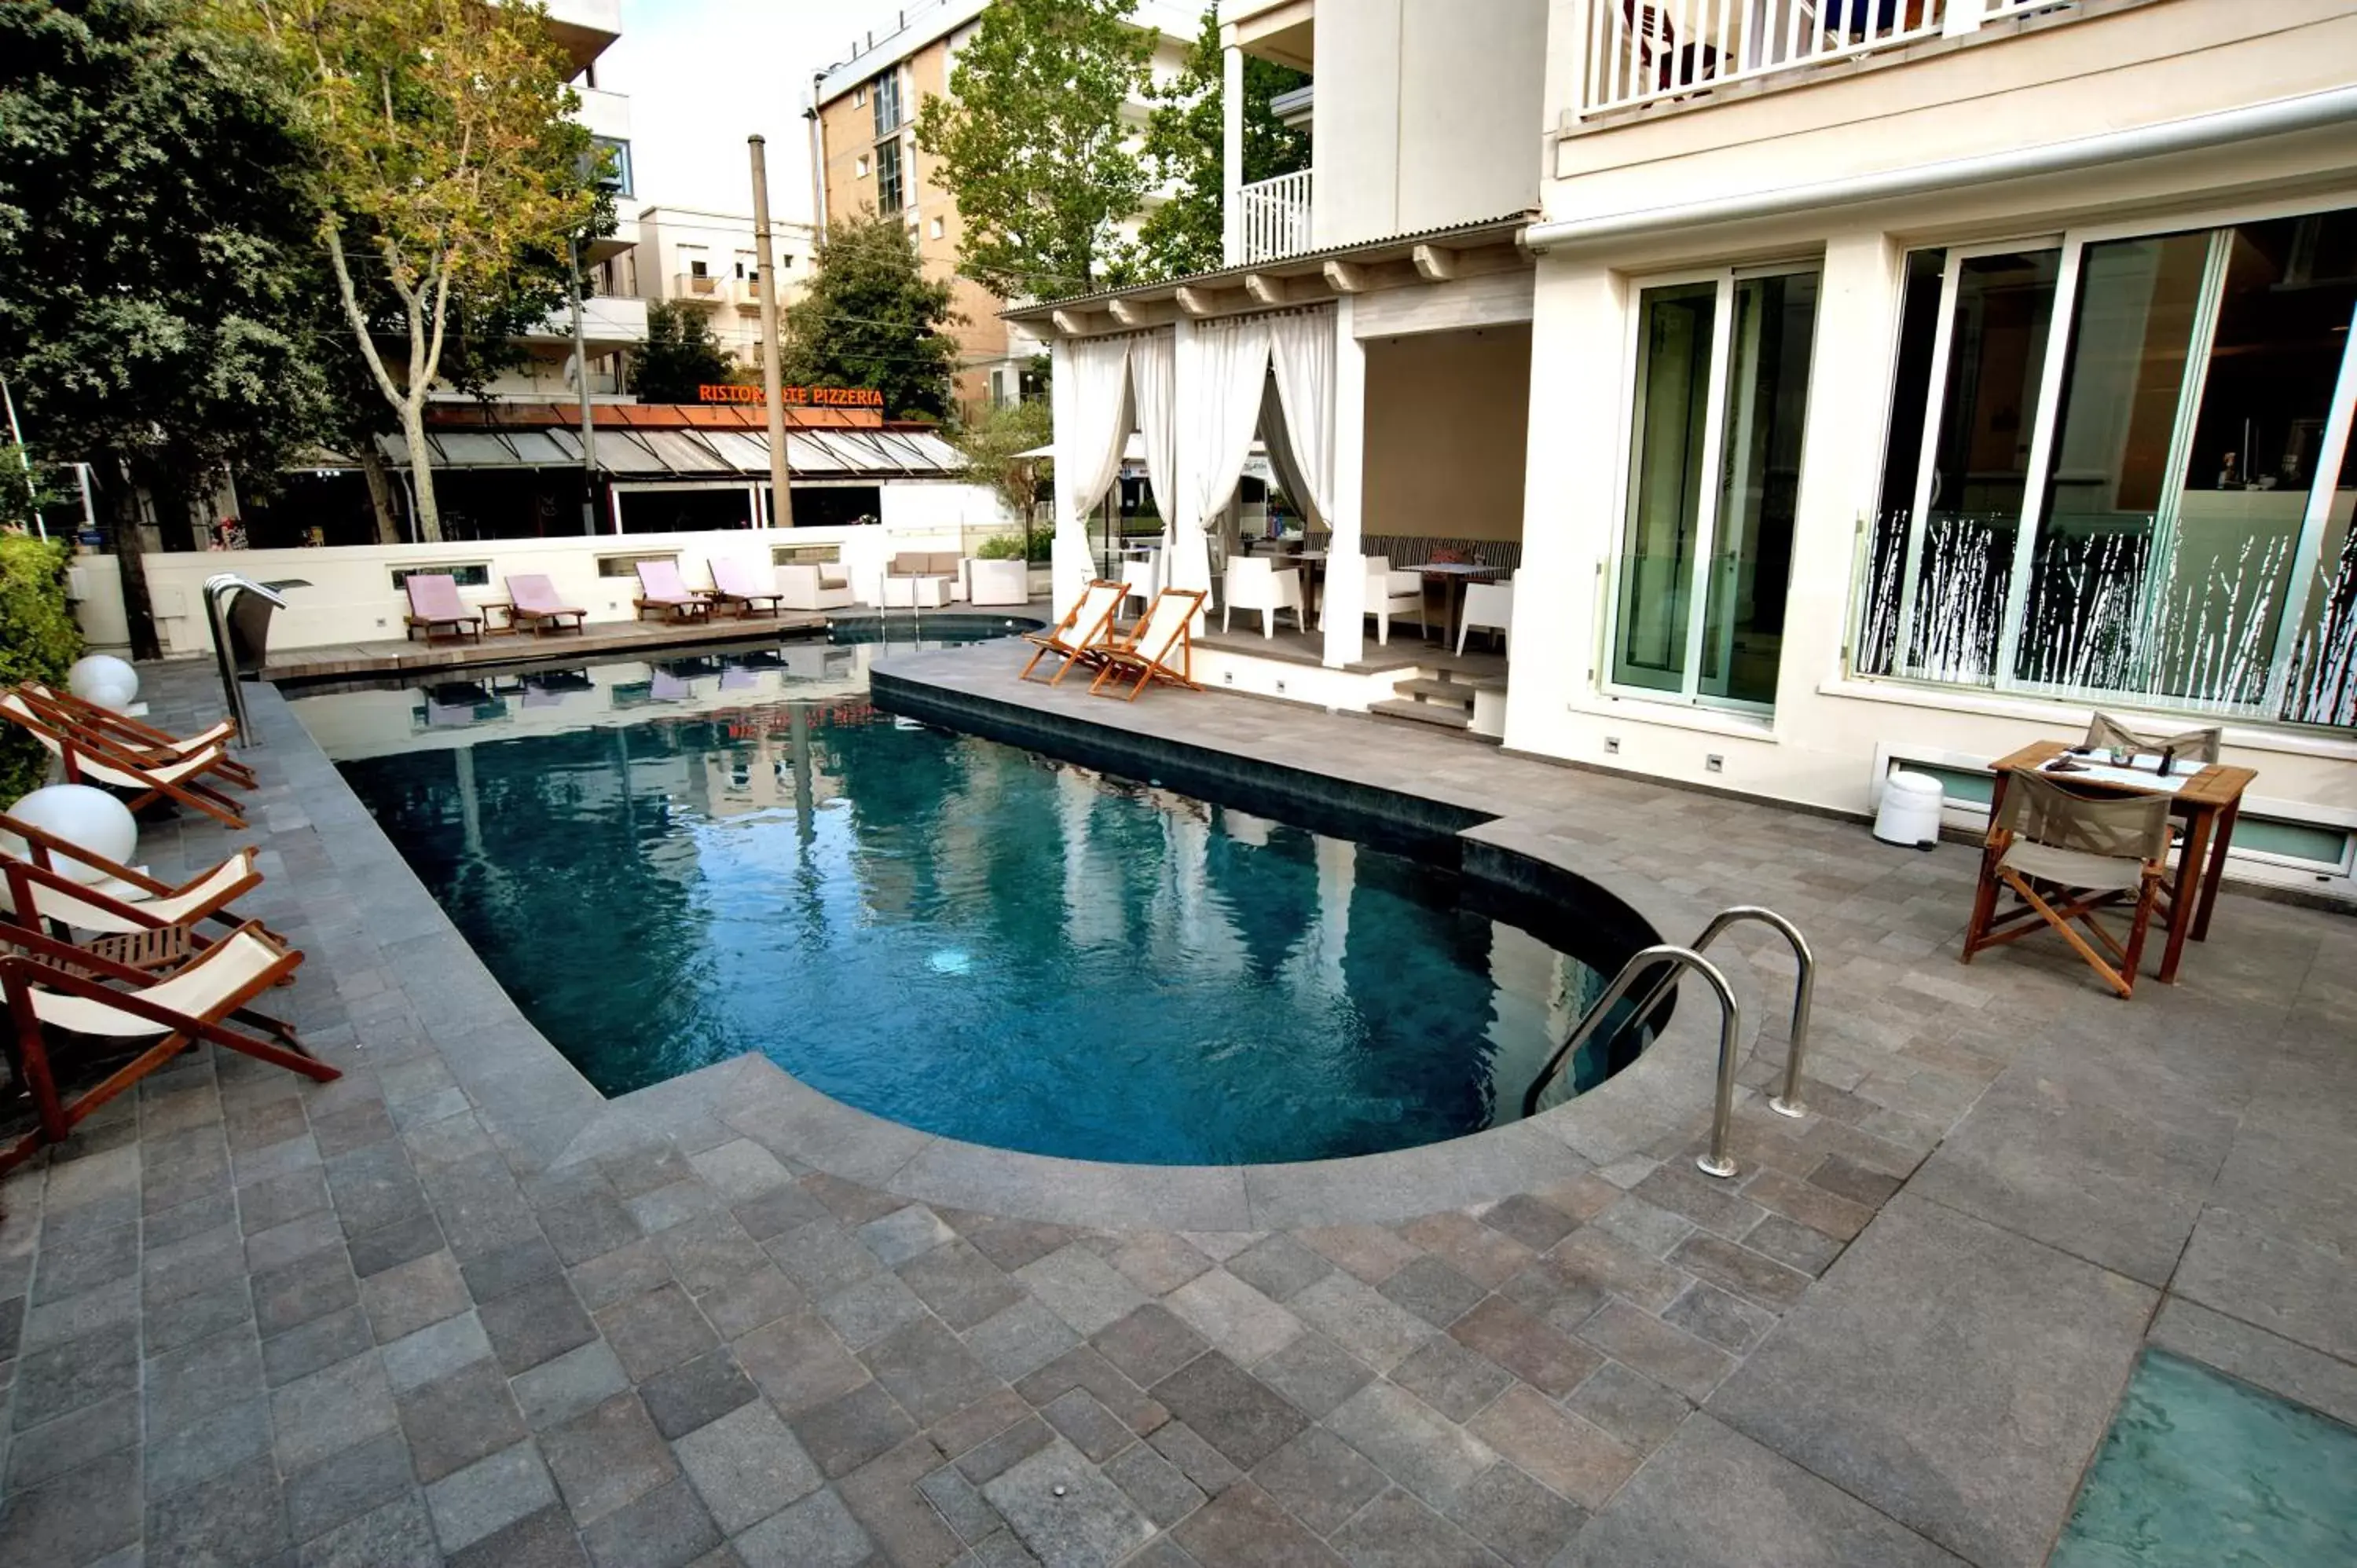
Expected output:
(613, 154)
(2119, 469)
(890, 196)
(1714, 467)
(886, 98)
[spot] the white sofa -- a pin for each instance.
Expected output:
(810, 586)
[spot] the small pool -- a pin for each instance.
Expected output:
(669, 864)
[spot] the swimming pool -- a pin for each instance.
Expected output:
(669, 864)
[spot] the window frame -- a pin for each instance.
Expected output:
(1689, 694)
(2217, 221)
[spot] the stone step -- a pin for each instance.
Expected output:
(1433, 713)
(1446, 692)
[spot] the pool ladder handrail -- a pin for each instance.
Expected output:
(1804, 991)
(1715, 1161)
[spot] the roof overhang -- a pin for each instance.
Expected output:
(1402, 261)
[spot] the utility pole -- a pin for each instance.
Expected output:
(772, 389)
(581, 383)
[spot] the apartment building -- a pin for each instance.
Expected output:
(613, 319)
(708, 259)
(863, 113)
(1844, 384)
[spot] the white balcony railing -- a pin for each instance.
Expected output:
(1641, 51)
(1272, 218)
(691, 285)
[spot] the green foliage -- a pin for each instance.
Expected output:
(153, 250)
(1184, 148)
(871, 318)
(1035, 548)
(443, 163)
(990, 440)
(681, 354)
(1032, 144)
(38, 641)
(27, 488)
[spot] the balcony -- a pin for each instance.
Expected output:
(1272, 219)
(608, 322)
(1640, 53)
(746, 292)
(705, 288)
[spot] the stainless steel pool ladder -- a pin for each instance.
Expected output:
(1716, 1161)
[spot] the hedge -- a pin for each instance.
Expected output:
(39, 640)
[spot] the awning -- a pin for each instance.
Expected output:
(686, 454)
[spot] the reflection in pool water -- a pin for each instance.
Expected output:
(670, 866)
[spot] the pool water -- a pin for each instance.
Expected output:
(2201, 1470)
(670, 866)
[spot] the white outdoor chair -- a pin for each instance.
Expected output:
(1256, 583)
(1390, 594)
(808, 585)
(1491, 606)
(1141, 576)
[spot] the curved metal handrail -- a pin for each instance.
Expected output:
(1730, 1027)
(1804, 990)
(216, 587)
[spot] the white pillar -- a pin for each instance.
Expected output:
(1068, 559)
(1188, 563)
(1344, 619)
(1231, 151)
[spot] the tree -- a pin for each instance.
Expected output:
(1032, 143)
(1185, 149)
(871, 318)
(445, 161)
(152, 254)
(992, 443)
(681, 354)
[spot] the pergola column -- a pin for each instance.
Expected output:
(1344, 619)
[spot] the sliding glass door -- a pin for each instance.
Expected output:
(1714, 468)
(2132, 481)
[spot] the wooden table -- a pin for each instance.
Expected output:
(2210, 801)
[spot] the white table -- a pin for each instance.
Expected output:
(1459, 573)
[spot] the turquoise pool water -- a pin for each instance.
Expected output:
(668, 865)
(2200, 1470)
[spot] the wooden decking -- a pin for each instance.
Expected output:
(601, 638)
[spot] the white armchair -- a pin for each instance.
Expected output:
(1489, 604)
(1141, 576)
(1254, 583)
(998, 582)
(808, 586)
(1390, 594)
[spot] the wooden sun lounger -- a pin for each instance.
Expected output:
(662, 588)
(733, 584)
(1167, 627)
(49, 984)
(135, 919)
(532, 602)
(1082, 636)
(90, 758)
(142, 739)
(433, 601)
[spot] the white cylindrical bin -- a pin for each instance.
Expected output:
(1911, 810)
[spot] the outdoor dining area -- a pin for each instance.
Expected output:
(2124, 823)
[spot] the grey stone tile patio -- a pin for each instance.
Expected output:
(456, 1306)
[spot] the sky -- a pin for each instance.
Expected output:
(704, 74)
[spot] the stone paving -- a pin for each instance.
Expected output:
(455, 1307)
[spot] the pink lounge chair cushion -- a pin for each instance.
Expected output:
(434, 596)
(535, 594)
(660, 583)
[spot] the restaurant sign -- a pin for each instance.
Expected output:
(796, 397)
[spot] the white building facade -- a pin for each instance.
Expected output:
(709, 260)
(1883, 382)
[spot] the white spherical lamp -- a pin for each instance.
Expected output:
(104, 680)
(86, 818)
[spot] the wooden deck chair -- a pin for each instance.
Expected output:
(2193, 746)
(532, 602)
(91, 759)
(1168, 627)
(142, 739)
(433, 601)
(53, 985)
(1081, 637)
(2065, 857)
(733, 583)
(662, 589)
(155, 933)
(68, 718)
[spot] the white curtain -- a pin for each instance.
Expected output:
(1230, 363)
(1302, 345)
(1154, 384)
(1092, 426)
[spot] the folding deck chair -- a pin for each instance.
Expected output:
(92, 759)
(141, 739)
(2064, 857)
(1167, 627)
(54, 985)
(136, 920)
(1081, 637)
